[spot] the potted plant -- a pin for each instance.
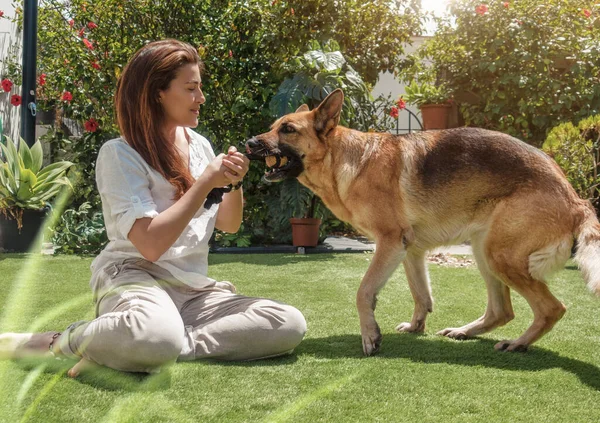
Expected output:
(313, 76)
(25, 188)
(305, 229)
(433, 101)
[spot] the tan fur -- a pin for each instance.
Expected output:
(416, 192)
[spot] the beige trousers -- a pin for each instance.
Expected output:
(146, 319)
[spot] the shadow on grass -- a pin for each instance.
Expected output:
(104, 378)
(430, 349)
(100, 377)
(268, 259)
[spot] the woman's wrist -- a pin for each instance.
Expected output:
(235, 187)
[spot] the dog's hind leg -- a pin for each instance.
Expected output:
(547, 309)
(499, 307)
(388, 255)
(420, 288)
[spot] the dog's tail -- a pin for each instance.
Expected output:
(588, 249)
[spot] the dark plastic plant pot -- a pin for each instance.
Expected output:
(11, 240)
(435, 116)
(305, 232)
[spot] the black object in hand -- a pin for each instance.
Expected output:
(215, 196)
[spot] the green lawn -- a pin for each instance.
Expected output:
(413, 379)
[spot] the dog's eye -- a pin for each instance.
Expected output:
(287, 129)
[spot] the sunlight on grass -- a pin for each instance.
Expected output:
(424, 378)
(288, 411)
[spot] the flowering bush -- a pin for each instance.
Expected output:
(518, 66)
(84, 45)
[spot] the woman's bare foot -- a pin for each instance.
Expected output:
(20, 345)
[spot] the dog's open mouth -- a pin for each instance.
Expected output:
(281, 162)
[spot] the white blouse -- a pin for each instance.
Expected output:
(130, 189)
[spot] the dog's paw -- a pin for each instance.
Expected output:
(454, 333)
(371, 341)
(410, 328)
(510, 346)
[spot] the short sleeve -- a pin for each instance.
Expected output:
(124, 186)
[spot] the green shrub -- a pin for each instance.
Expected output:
(80, 231)
(519, 67)
(246, 47)
(576, 149)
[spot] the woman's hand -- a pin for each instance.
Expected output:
(237, 165)
(215, 172)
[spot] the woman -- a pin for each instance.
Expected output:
(154, 302)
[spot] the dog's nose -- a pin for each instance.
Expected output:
(253, 143)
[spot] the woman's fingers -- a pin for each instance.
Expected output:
(234, 168)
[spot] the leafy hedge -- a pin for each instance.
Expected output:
(519, 67)
(576, 149)
(248, 48)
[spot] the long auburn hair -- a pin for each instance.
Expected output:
(140, 115)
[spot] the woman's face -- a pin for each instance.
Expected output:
(181, 101)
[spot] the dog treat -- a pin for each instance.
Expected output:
(276, 161)
(270, 161)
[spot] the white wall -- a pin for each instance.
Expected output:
(9, 34)
(388, 84)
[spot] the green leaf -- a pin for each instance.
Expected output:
(37, 157)
(25, 155)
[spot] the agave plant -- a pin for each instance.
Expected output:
(24, 184)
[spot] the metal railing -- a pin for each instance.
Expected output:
(397, 130)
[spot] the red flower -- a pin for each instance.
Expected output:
(292, 11)
(67, 96)
(506, 4)
(15, 100)
(230, 53)
(587, 13)
(42, 79)
(71, 23)
(274, 2)
(401, 103)
(92, 25)
(91, 125)
(81, 32)
(7, 85)
(394, 112)
(95, 65)
(88, 44)
(481, 9)
(1, 13)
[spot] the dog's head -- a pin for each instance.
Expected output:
(297, 140)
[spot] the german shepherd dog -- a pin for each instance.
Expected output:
(411, 193)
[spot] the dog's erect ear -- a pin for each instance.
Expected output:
(303, 108)
(327, 115)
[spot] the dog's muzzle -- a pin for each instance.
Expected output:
(282, 161)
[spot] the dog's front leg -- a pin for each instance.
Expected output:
(388, 255)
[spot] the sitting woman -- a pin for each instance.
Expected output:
(154, 301)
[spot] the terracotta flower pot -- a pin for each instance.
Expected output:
(305, 232)
(435, 116)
